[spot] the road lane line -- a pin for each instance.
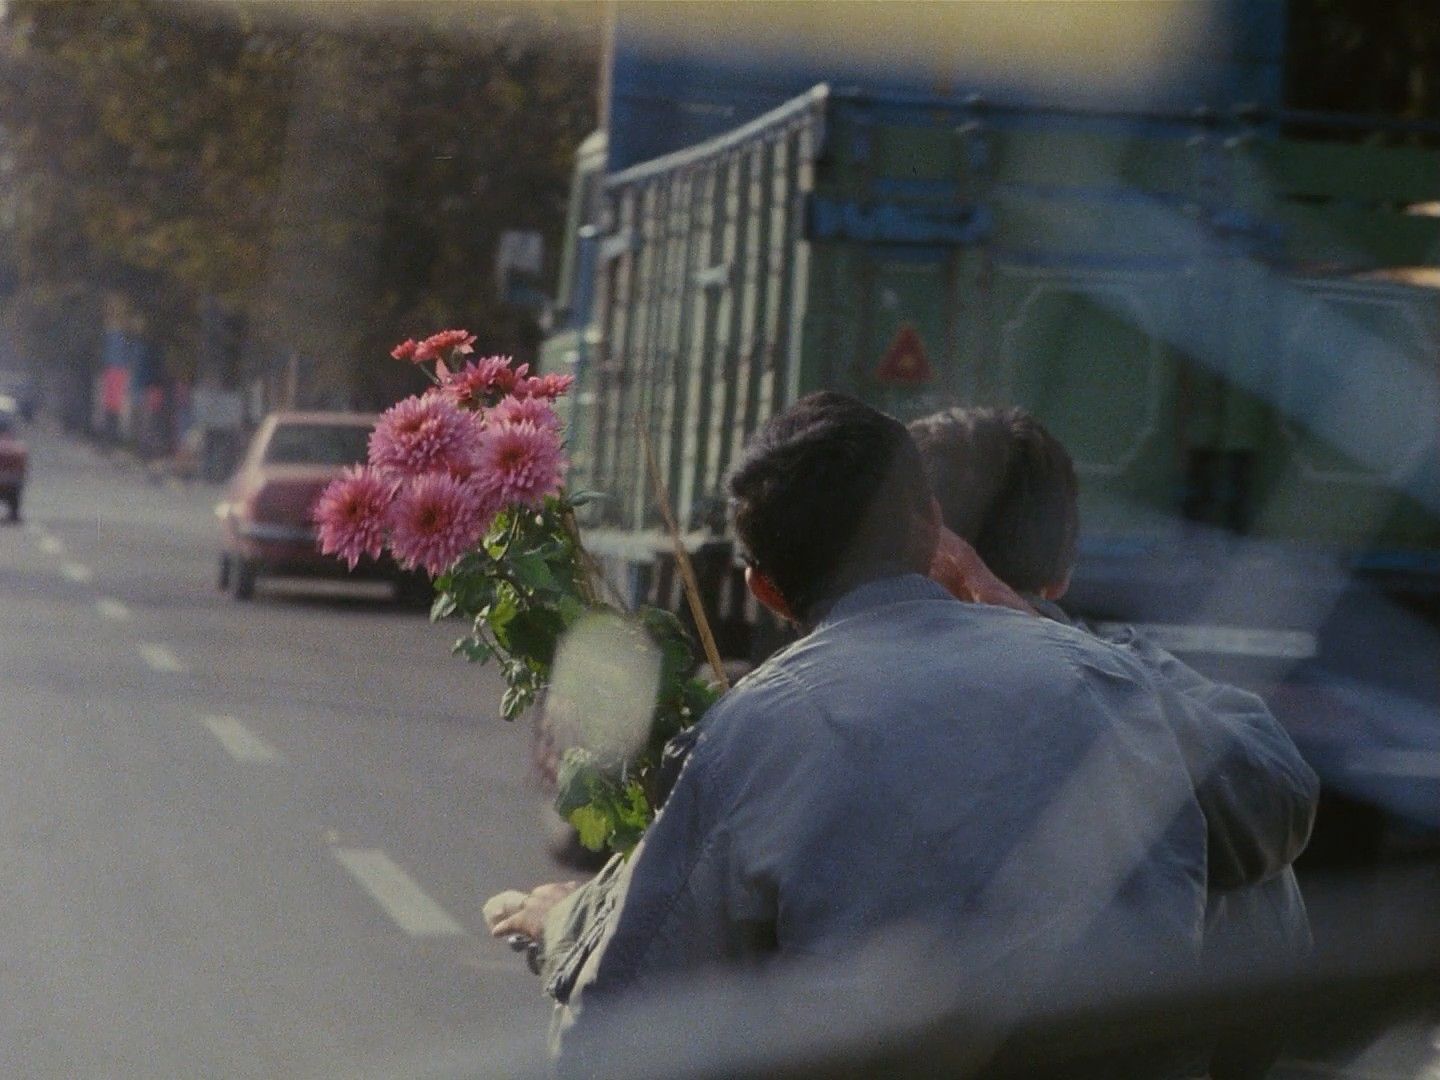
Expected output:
(240, 742)
(78, 573)
(113, 610)
(395, 891)
(160, 658)
(51, 545)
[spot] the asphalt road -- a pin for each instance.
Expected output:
(254, 839)
(239, 840)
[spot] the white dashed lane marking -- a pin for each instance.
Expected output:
(160, 658)
(78, 573)
(51, 545)
(113, 610)
(240, 742)
(396, 892)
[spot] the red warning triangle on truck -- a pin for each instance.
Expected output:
(905, 362)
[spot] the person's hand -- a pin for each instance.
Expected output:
(515, 912)
(966, 577)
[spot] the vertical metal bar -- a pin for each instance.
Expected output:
(614, 384)
(788, 376)
(727, 343)
(643, 360)
(702, 358)
(753, 295)
(599, 389)
(702, 196)
(777, 270)
(677, 333)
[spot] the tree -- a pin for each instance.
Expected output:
(340, 181)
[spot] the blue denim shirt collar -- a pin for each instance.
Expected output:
(879, 593)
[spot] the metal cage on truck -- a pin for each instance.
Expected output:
(1171, 295)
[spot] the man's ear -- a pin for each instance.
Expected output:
(764, 590)
(930, 525)
(1056, 589)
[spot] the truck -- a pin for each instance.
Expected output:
(1228, 313)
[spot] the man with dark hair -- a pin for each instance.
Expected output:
(831, 461)
(1007, 486)
(1009, 783)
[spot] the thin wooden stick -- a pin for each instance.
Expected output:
(682, 559)
(590, 571)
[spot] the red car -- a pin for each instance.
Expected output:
(266, 515)
(14, 461)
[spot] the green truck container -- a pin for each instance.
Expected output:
(1179, 300)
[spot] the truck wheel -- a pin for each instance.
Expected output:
(243, 579)
(223, 581)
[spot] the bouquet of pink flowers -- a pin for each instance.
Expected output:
(466, 481)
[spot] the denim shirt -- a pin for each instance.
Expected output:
(918, 761)
(1259, 798)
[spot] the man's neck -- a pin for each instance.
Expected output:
(818, 611)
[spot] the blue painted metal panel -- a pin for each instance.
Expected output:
(666, 97)
(892, 223)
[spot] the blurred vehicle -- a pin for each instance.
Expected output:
(14, 458)
(20, 388)
(266, 514)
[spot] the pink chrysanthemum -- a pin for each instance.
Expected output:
(521, 463)
(435, 519)
(435, 346)
(548, 387)
(406, 350)
(352, 514)
(424, 434)
(528, 410)
(482, 382)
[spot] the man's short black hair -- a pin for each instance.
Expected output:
(828, 494)
(1007, 486)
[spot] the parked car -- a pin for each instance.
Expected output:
(14, 459)
(20, 388)
(266, 514)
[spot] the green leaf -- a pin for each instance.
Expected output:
(635, 808)
(699, 695)
(442, 607)
(593, 826)
(677, 650)
(516, 700)
(576, 779)
(535, 633)
(473, 649)
(624, 840)
(500, 613)
(533, 572)
(569, 608)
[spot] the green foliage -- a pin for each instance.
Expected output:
(607, 811)
(334, 175)
(521, 593)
